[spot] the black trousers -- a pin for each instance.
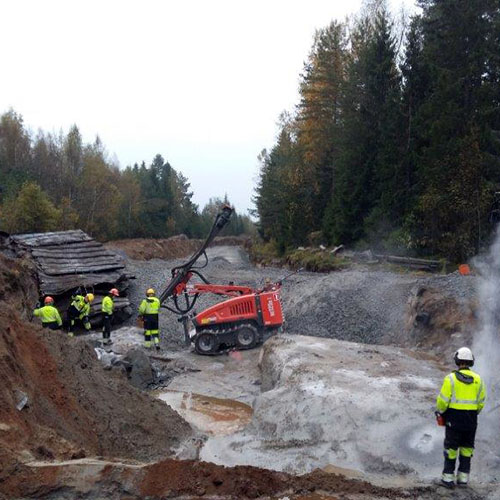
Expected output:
(151, 322)
(73, 314)
(106, 326)
(460, 434)
(52, 325)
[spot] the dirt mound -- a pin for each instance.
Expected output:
(175, 247)
(184, 479)
(56, 400)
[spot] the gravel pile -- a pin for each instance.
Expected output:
(360, 305)
(461, 288)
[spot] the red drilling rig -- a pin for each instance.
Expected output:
(241, 322)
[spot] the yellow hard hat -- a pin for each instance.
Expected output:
(150, 291)
(89, 297)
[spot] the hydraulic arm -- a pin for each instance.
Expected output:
(182, 274)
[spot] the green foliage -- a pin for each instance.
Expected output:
(316, 260)
(30, 211)
(238, 224)
(266, 252)
(76, 185)
(401, 158)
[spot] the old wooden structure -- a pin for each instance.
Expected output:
(69, 262)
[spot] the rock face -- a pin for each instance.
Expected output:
(437, 321)
(368, 408)
(138, 367)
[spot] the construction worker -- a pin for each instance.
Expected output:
(49, 314)
(79, 309)
(107, 308)
(461, 398)
(148, 312)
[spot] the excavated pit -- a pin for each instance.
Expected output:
(307, 403)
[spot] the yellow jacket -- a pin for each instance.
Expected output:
(48, 314)
(462, 390)
(81, 306)
(151, 305)
(107, 305)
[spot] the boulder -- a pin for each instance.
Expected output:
(138, 368)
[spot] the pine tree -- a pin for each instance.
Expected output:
(318, 115)
(459, 110)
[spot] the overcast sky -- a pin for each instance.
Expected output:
(201, 82)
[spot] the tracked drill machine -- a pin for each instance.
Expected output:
(240, 322)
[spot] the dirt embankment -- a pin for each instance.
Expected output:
(189, 480)
(175, 247)
(56, 400)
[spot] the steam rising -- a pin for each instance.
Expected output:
(486, 346)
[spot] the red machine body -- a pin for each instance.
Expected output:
(263, 308)
(241, 321)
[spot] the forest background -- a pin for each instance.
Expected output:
(395, 143)
(55, 182)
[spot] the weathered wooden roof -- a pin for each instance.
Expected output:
(66, 260)
(55, 238)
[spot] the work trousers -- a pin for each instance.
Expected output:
(51, 324)
(73, 316)
(459, 440)
(106, 326)
(151, 331)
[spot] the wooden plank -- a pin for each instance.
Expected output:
(56, 285)
(104, 277)
(49, 261)
(74, 267)
(76, 246)
(55, 271)
(68, 250)
(69, 253)
(413, 260)
(55, 238)
(409, 260)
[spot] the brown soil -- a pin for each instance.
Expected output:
(170, 248)
(186, 479)
(75, 407)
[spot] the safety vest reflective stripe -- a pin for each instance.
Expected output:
(444, 398)
(151, 305)
(462, 401)
(479, 392)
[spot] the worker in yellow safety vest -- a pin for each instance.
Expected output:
(79, 309)
(148, 312)
(107, 308)
(461, 399)
(49, 314)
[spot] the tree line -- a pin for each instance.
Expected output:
(51, 182)
(396, 139)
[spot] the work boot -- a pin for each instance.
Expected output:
(448, 484)
(462, 479)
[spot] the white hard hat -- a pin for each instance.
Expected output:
(464, 354)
